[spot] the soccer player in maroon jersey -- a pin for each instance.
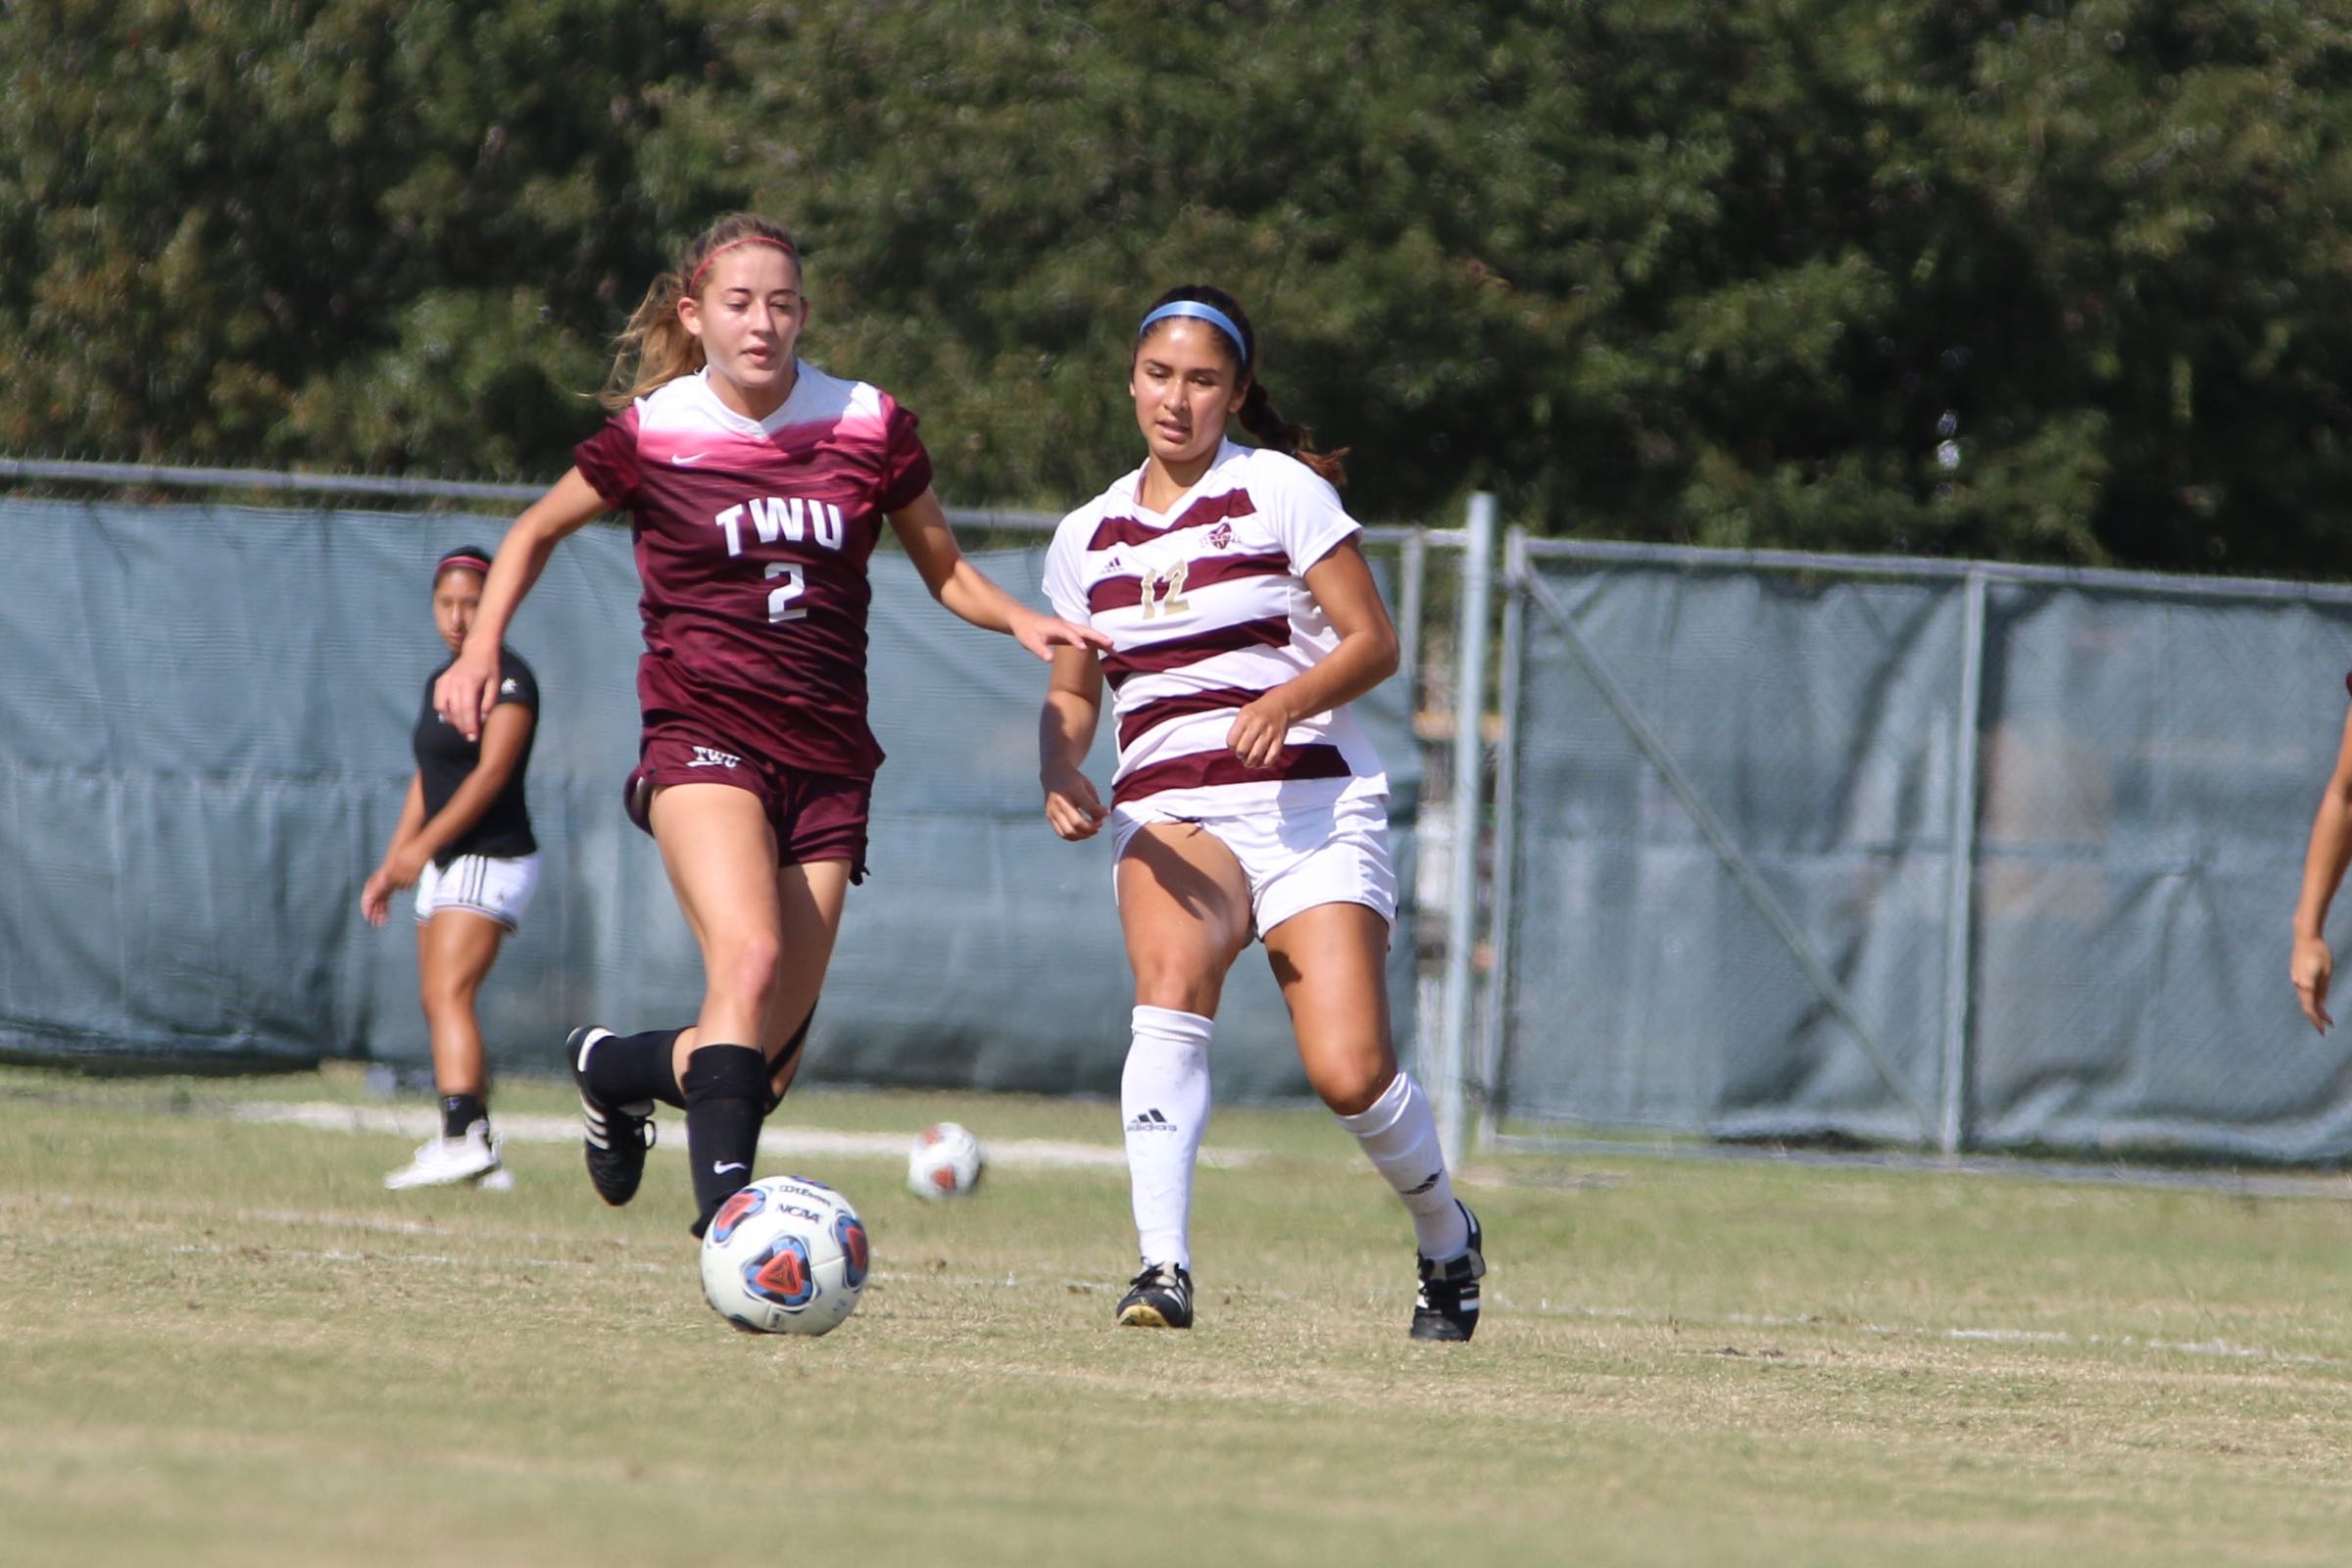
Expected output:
(1248, 802)
(756, 486)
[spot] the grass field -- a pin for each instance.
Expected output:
(222, 1342)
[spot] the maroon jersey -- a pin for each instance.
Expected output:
(752, 538)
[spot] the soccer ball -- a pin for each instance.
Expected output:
(945, 1162)
(785, 1255)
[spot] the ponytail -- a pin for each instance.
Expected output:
(1263, 420)
(655, 348)
(1257, 413)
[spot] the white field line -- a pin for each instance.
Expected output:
(1008, 1154)
(1998, 1335)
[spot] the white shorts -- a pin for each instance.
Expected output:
(1293, 860)
(480, 884)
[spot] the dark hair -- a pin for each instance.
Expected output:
(466, 558)
(655, 347)
(1257, 415)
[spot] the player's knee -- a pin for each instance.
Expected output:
(1351, 1087)
(747, 967)
(441, 992)
(1183, 985)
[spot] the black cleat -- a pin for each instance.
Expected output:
(614, 1137)
(1447, 1306)
(1160, 1298)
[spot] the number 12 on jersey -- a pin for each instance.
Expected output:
(1164, 591)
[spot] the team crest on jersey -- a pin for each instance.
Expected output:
(1221, 535)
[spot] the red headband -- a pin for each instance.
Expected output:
(470, 562)
(716, 250)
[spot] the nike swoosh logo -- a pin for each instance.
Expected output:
(683, 459)
(721, 1167)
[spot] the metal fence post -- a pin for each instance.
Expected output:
(1488, 1063)
(1450, 1092)
(1960, 902)
(1413, 576)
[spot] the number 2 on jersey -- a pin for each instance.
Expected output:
(780, 605)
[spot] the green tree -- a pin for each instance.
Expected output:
(2057, 281)
(342, 233)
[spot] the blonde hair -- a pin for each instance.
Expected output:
(655, 348)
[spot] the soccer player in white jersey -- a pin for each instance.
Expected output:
(757, 488)
(1248, 802)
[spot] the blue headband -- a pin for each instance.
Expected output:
(1198, 313)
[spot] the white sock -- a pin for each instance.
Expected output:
(1163, 1101)
(1400, 1134)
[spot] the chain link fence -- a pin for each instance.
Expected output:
(1926, 854)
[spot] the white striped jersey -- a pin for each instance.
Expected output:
(1209, 609)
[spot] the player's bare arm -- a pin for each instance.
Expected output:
(468, 689)
(1065, 732)
(375, 897)
(1366, 655)
(504, 738)
(966, 591)
(2313, 965)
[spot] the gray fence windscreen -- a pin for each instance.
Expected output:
(1732, 879)
(204, 747)
(1806, 723)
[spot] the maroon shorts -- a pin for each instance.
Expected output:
(816, 816)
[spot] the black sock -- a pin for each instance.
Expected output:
(461, 1111)
(727, 1098)
(625, 1069)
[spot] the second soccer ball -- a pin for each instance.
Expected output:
(945, 1162)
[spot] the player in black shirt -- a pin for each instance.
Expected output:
(465, 840)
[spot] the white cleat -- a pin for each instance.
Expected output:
(447, 1161)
